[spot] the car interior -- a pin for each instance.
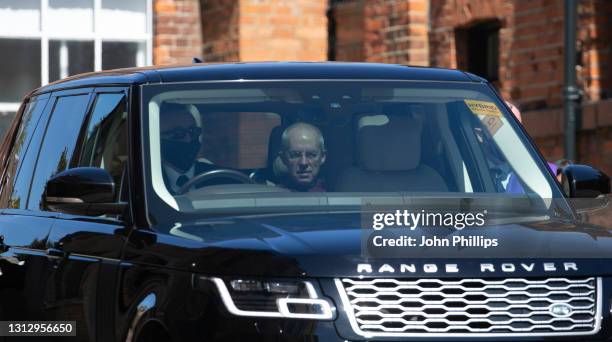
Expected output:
(390, 147)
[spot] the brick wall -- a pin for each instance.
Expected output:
(595, 139)
(220, 30)
(531, 40)
(382, 31)
(283, 30)
(417, 32)
(396, 31)
(595, 35)
(348, 31)
(448, 15)
(176, 31)
(537, 54)
(546, 127)
(530, 44)
(264, 30)
(531, 65)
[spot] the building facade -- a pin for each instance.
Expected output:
(42, 41)
(517, 44)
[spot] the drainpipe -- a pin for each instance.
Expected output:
(571, 93)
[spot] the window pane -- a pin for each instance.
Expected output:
(20, 68)
(19, 16)
(6, 118)
(120, 16)
(122, 55)
(69, 16)
(59, 143)
(106, 143)
(20, 184)
(68, 58)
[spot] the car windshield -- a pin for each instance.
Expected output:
(255, 146)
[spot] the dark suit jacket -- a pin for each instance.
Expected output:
(199, 168)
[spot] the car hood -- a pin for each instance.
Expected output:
(330, 245)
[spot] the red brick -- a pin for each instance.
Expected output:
(165, 6)
(276, 31)
(177, 31)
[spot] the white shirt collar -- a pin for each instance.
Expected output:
(174, 175)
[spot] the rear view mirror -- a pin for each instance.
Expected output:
(82, 191)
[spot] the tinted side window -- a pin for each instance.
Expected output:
(15, 188)
(59, 143)
(105, 143)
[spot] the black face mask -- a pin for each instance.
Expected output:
(181, 154)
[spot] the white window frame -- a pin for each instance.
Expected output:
(95, 36)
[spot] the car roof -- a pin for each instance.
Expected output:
(259, 71)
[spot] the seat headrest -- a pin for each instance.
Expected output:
(389, 142)
(274, 162)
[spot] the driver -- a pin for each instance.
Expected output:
(180, 142)
(303, 153)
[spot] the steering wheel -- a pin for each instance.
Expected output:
(218, 173)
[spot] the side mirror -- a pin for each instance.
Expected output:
(583, 181)
(82, 191)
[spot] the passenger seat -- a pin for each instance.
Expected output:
(389, 158)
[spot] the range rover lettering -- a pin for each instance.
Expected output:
(229, 202)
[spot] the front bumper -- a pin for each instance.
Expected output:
(223, 326)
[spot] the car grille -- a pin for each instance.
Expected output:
(441, 307)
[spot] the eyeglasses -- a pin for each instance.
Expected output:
(180, 133)
(310, 155)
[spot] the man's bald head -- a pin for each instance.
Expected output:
(302, 132)
(303, 152)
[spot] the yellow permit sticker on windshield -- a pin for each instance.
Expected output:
(483, 108)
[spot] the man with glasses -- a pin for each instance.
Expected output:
(303, 153)
(180, 144)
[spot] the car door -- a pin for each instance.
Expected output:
(23, 232)
(67, 111)
(88, 248)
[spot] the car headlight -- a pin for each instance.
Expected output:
(272, 298)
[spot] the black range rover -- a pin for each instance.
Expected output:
(227, 203)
